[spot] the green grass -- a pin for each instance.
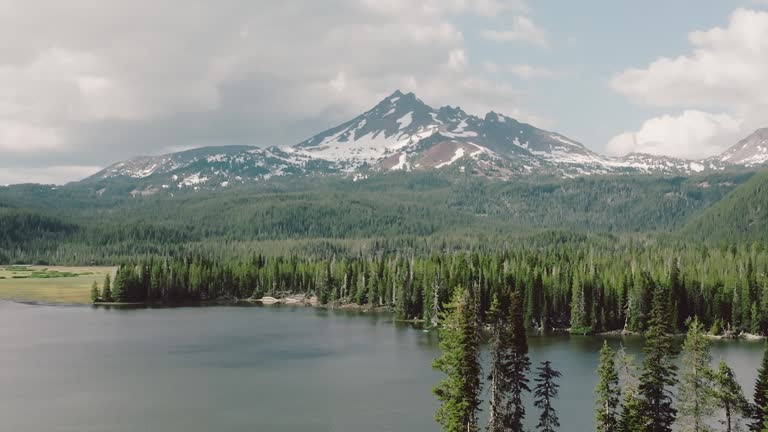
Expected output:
(52, 284)
(40, 273)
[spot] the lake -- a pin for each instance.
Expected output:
(231, 368)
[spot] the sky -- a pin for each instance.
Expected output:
(86, 83)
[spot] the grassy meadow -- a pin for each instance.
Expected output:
(50, 284)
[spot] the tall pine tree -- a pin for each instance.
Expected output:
(608, 392)
(497, 375)
(459, 392)
(509, 368)
(659, 372)
(546, 389)
(94, 292)
(695, 401)
(631, 418)
(761, 395)
(729, 396)
(518, 365)
(106, 290)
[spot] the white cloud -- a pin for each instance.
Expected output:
(24, 138)
(340, 82)
(725, 72)
(487, 8)
(457, 59)
(692, 135)
(727, 68)
(92, 82)
(522, 30)
(48, 175)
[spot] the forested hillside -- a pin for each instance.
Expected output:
(419, 212)
(742, 215)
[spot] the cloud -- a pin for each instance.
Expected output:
(724, 72)
(90, 82)
(523, 71)
(340, 82)
(457, 59)
(692, 135)
(486, 8)
(24, 138)
(48, 175)
(727, 68)
(522, 30)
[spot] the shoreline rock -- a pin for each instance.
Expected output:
(295, 299)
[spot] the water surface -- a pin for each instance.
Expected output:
(232, 368)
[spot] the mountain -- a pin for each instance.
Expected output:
(742, 215)
(752, 150)
(402, 133)
(207, 167)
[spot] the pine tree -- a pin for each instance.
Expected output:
(496, 375)
(677, 295)
(608, 392)
(517, 367)
(106, 290)
(509, 366)
(695, 401)
(119, 292)
(631, 419)
(546, 389)
(459, 392)
(659, 372)
(729, 396)
(761, 395)
(326, 285)
(94, 292)
(764, 308)
(579, 319)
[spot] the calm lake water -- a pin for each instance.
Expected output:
(233, 368)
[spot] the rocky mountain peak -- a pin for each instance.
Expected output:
(752, 150)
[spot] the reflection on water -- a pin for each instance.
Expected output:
(249, 367)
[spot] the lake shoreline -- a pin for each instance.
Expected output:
(312, 301)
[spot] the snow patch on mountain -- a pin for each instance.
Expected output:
(456, 156)
(405, 120)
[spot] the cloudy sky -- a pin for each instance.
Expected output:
(84, 83)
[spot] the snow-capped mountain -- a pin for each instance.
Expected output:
(402, 133)
(752, 150)
(210, 167)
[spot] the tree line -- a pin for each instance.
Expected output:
(586, 287)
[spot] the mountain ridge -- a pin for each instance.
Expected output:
(402, 133)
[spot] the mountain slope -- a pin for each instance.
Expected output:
(411, 207)
(208, 167)
(752, 150)
(402, 133)
(741, 215)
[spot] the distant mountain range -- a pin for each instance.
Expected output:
(402, 133)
